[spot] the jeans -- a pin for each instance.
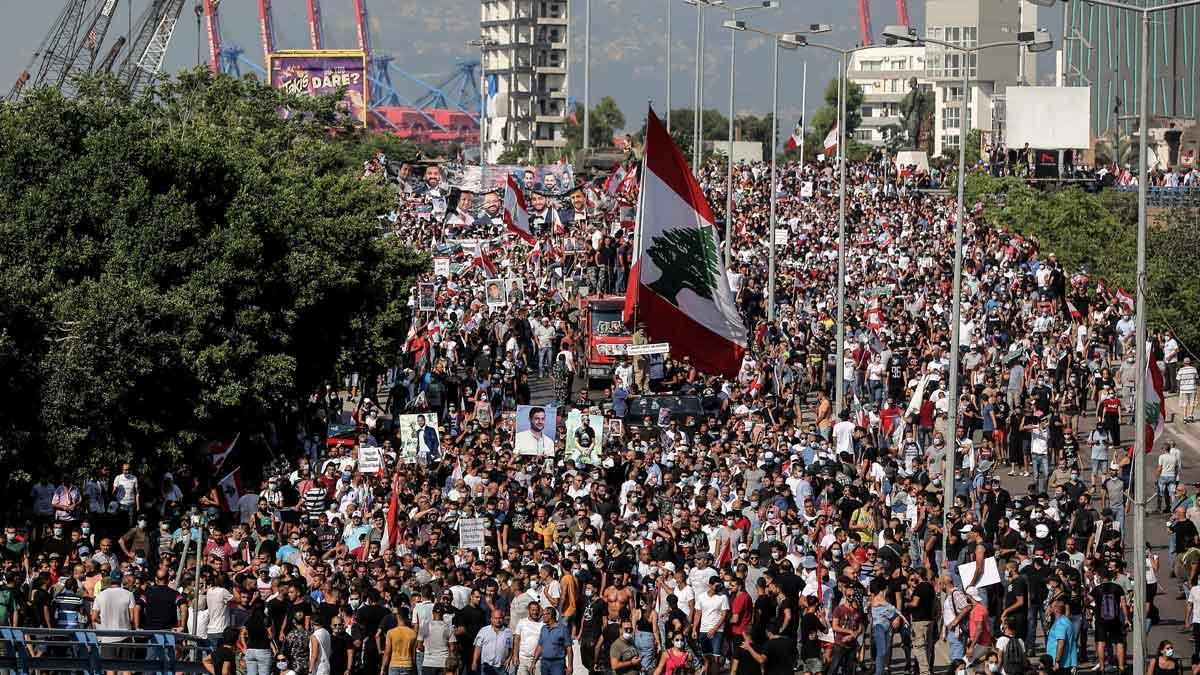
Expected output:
(545, 360)
(259, 661)
(554, 666)
(954, 645)
(644, 641)
(842, 660)
(1166, 488)
(883, 646)
(1118, 511)
(1041, 470)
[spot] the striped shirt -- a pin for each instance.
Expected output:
(68, 610)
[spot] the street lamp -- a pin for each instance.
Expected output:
(733, 12)
(790, 41)
(1035, 41)
(482, 44)
(839, 390)
(198, 519)
(587, 71)
(1138, 532)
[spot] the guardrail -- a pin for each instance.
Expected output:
(1156, 195)
(28, 650)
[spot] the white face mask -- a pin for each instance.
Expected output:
(679, 645)
(1169, 651)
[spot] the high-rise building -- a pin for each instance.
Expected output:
(525, 57)
(969, 23)
(1108, 58)
(886, 75)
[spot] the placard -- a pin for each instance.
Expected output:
(495, 292)
(426, 297)
(419, 438)
(652, 348)
(370, 459)
(584, 440)
(806, 188)
(781, 236)
(441, 266)
(470, 533)
(990, 576)
(535, 430)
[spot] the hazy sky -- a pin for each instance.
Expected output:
(427, 37)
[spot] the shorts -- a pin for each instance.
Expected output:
(812, 666)
(1187, 398)
(116, 651)
(1109, 632)
(711, 646)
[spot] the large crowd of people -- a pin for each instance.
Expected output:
(767, 532)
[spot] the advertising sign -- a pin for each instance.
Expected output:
(322, 73)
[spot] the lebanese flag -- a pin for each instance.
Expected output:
(797, 135)
(390, 537)
(613, 183)
(483, 262)
(516, 215)
(1125, 299)
(219, 452)
(1155, 401)
(629, 184)
(677, 283)
(831, 140)
(1101, 288)
(874, 314)
(229, 489)
(1073, 311)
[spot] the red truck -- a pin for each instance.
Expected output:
(605, 336)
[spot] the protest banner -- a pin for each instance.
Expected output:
(471, 533)
(585, 437)
(322, 72)
(370, 459)
(536, 429)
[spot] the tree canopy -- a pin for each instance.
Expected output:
(183, 267)
(605, 120)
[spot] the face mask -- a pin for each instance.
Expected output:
(836, 554)
(771, 537)
(627, 635)
(85, 530)
(355, 602)
(993, 667)
(283, 665)
(679, 644)
(58, 531)
(1169, 651)
(588, 593)
(776, 555)
(141, 523)
(961, 672)
(1074, 476)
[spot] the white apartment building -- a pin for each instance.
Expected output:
(969, 23)
(526, 51)
(885, 75)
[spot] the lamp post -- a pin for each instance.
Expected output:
(698, 94)
(198, 521)
(733, 12)
(482, 43)
(1138, 531)
(780, 41)
(669, 66)
(839, 389)
(587, 71)
(1035, 41)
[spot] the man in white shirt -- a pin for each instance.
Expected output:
(525, 639)
(843, 434)
(708, 624)
(698, 577)
(1187, 380)
(125, 491)
(1167, 475)
(113, 610)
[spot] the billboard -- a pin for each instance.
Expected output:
(1049, 118)
(323, 72)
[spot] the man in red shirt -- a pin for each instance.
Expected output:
(1109, 414)
(847, 627)
(741, 607)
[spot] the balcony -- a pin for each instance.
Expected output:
(550, 119)
(552, 20)
(560, 69)
(549, 143)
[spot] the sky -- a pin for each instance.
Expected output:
(426, 38)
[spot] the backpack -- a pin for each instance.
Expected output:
(1013, 661)
(1110, 607)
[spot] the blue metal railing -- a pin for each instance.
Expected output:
(1168, 197)
(26, 650)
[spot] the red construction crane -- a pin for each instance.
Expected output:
(314, 23)
(902, 12)
(214, 33)
(360, 19)
(864, 21)
(267, 28)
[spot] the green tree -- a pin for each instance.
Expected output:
(1098, 231)
(514, 154)
(606, 120)
(183, 267)
(826, 116)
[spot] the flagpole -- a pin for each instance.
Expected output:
(803, 111)
(1138, 642)
(771, 189)
(637, 224)
(840, 369)
(669, 65)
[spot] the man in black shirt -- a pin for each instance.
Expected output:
(223, 660)
(918, 608)
(161, 605)
(811, 627)
(469, 620)
(591, 622)
(1016, 600)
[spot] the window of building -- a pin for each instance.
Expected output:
(870, 66)
(864, 135)
(949, 141)
(951, 116)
